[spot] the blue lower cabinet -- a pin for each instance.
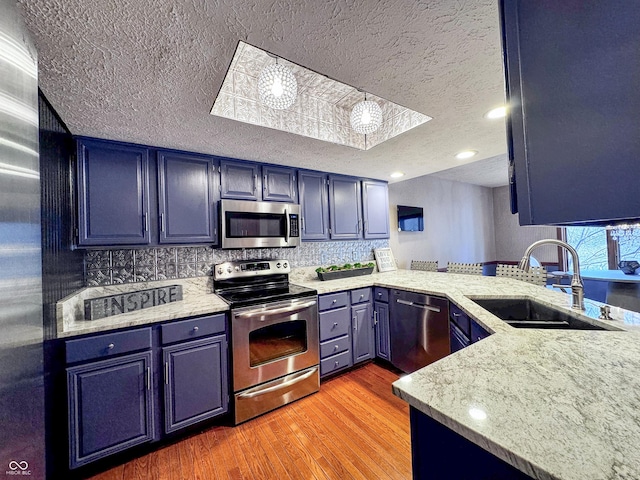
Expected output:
(477, 332)
(381, 322)
(363, 332)
(195, 381)
(110, 406)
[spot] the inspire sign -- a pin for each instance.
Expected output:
(96, 308)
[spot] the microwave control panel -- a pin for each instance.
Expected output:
(294, 225)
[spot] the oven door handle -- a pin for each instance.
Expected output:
(295, 378)
(275, 311)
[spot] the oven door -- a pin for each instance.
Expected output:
(273, 340)
(247, 224)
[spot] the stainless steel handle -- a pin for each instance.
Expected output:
(255, 183)
(166, 373)
(364, 226)
(418, 305)
(335, 300)
(375, 317)
(162, 227)
(287, 230)
(336, 347)
(274, 311)
(111, 346)
(148, 378)
(355, 323)
(303, 227)
(145, 222)
(264, 183)
(455, 314)
(196, 328)
(298, 377)
(335, 324)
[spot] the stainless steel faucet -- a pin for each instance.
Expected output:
(577, 287)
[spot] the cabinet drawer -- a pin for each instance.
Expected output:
(334, 323)
(107, 345)
(461, 319)
(335, 346)
(333, 300)
(381, 295)
(335, 362)
(361, 295)
(192, 328)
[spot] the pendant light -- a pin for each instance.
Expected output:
(366, 116)
(277, 86)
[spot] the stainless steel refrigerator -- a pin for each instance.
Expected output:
(21, 330)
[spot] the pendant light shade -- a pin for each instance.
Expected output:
(366, 117)
(277, 86)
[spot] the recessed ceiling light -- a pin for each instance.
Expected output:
(498, 112)
(397, 175)
(465, 154)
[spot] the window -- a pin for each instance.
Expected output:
(591, 245)
(600, 248)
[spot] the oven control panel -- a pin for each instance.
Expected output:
(250, 268)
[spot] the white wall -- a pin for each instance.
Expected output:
(458, 222)
(511, 239)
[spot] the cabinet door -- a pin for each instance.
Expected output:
(113, 194)
(187, 212)
(381, 321)
(110, 407)
(363, 334)
(477, 332)
(572, 133)
(345, 205)
(375, 209)
(314, 205)
(240, 180)
(279, 184)
(195, 381)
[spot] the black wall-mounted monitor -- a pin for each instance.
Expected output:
(410, 219)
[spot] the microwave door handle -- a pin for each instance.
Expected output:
(287, 228)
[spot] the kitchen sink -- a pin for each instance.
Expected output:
(524, 313)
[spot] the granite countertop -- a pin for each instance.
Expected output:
(556, 404)
(198, 299)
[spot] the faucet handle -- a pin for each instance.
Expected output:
(605, 312)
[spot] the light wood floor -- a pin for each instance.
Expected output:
(353, 428)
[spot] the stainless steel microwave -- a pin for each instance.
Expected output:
(246, 224)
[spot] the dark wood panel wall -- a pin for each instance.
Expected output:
(62, 267)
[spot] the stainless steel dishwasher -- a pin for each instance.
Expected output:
(419, 329)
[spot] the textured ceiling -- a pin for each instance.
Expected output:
(147, 71)
(489, 172)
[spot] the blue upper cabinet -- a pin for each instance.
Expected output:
(572, 85)
(345, 207)
(375, 209)
(187, 206)
(314, 205)
(279, 184)
(113, 194)
(240, 180)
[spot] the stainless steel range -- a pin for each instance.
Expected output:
(274, 335)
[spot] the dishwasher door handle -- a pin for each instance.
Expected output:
(418, 305)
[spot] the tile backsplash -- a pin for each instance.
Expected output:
(108, 267)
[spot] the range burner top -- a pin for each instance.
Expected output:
(252, 282)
